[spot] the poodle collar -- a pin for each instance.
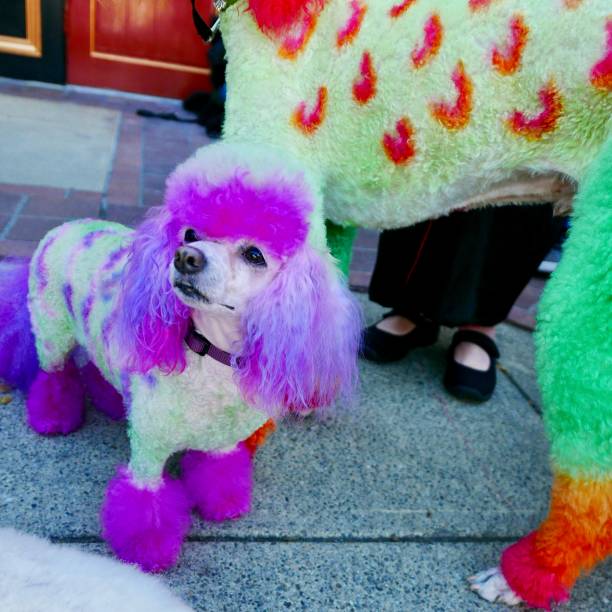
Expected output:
(203, 346)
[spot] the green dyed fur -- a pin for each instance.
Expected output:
(361, 187)
(574, 339)
(340, 241)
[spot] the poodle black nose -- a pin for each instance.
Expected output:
(189, 260)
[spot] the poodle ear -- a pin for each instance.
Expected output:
(301, 337)
(151, 320)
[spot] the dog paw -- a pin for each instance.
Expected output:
(492, 586)
(56, 403)
(145, 526)
(220, 485)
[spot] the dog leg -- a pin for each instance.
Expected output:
(573, 363)
(102, 394)
(576, 535)
(145, 522)
(56, 402)
(340, 242)
(219, 484)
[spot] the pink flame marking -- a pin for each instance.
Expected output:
(456, 116)
(477, 5)
(431, 43)
(349, 31)
(544, 122)
(294, 44)
(399, 9)
(601, 73)
(364, 87)
(509, 61)
(276, 17)
(309, 122)
(400, 147)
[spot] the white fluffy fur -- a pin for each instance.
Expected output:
(37, 576)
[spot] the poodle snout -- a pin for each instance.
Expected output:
(189, 260)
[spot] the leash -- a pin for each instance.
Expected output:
(203, 346)
(205, 31)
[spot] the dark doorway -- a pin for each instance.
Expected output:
(32, 40)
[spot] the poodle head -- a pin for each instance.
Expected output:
(239, 236)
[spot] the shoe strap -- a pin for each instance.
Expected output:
(477, 338)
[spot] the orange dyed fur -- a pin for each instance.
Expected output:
(259, 437)
(577, 533)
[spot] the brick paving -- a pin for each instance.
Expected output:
(146, 151)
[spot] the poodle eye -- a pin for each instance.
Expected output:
(254, 256)
(190, 236)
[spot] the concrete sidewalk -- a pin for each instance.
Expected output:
(389, 506)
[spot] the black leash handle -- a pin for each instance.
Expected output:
(206, 32)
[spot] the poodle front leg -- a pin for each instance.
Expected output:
(56, 402)
(220, 485)
(145, 515)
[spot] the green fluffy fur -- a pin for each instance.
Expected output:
(574, 339)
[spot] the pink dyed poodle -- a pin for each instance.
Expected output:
(222, 309)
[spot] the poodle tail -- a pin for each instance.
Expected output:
(18, 358)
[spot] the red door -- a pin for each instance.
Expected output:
(143, 46)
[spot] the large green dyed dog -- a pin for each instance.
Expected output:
(406, 110)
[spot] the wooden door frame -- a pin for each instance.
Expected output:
(40, 55)
(31, 44)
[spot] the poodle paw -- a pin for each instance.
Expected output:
(220, 485)
(145, 526)
(492, 586)
(56, 403)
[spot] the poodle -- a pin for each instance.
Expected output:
(223, 309)
(404, 110)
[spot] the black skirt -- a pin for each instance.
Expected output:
(467, 268)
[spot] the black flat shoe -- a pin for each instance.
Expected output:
(383, 347)
(467, 383)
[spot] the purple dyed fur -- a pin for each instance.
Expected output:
(145, 526)
(219, 485)
(93, 236)
(274, 214)
(18, 359)
(102, 394)
(56, 402)
(86, 311)
(67, 291)
(302, 332)
(301, 336)
(152, 321)
(41, 266)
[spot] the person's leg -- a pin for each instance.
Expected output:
(471, 355)
(514, 239)
(399, 331)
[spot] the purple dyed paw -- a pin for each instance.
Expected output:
(219, 485)
(55, 403)
(145, 526)
(102, 394)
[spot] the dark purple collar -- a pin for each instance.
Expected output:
(203, 346)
